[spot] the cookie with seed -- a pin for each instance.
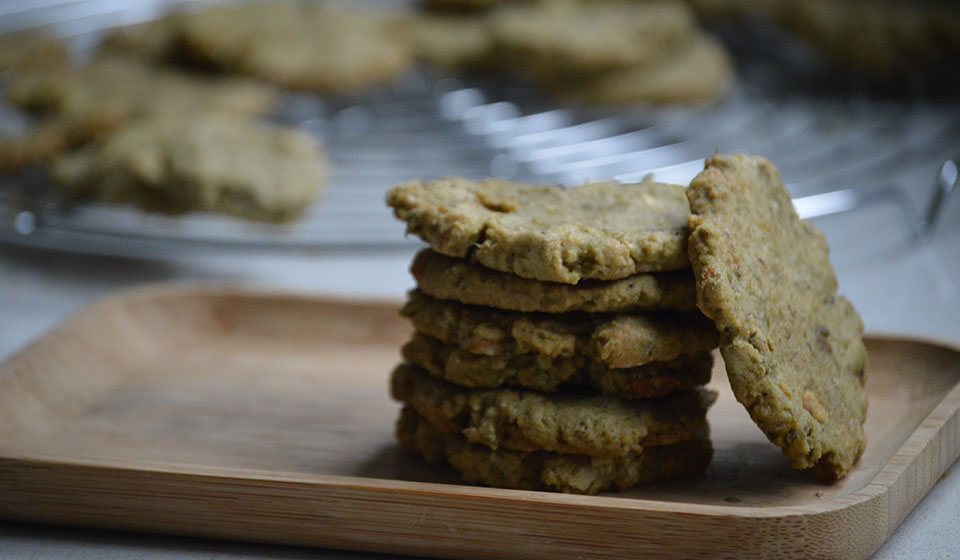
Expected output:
(792, 346)
(445, 277)
(587, 38)
(698, 71)
(603, 231)
(543, 470)
(199, 163)
(615, 340)
(308, 46)
(594, 425)
(548, 374)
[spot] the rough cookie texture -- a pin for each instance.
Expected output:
(792, 347)
(549, 374)
(588, 38)
(199, 163)
(595, 425)
(616, 340)
(600, 230)
(445, 277)
(309, 46)
(544, 470)
(700, 70)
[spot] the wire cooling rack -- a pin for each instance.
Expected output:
(839, 146)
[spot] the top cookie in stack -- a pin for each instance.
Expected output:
(599, 231)
(549, 321)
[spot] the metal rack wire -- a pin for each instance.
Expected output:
(836, 150)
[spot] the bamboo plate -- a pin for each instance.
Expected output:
(239, 415)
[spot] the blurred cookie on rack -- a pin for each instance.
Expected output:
(199, 162)
(304, 46)
(77, 105)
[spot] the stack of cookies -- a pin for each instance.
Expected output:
(558, 343)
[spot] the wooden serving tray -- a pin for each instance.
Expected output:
(253, 416)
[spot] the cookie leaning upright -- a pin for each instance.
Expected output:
(791, 345)
(603, 231)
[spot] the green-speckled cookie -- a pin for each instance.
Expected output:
(791, 345)
(550, 373)
(543, 470)
(595, 425)
(615, 340)
(445, 277)
(604, 231)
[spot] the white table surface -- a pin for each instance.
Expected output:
(898, 286)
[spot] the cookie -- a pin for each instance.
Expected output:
(155, 40)
(306, 46)
(792, 346)
(727, 11)
(615, 340)
(113, 87)
(445, 277)
(698, 71)
(886, 39)
(43, 141)
(586, 38)
(448, 42)
(594, 425)
(77, 106)
(26, 51)
(604, 231)
(543, 470)
(461, 6)
(199, 163)
(549, 374)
